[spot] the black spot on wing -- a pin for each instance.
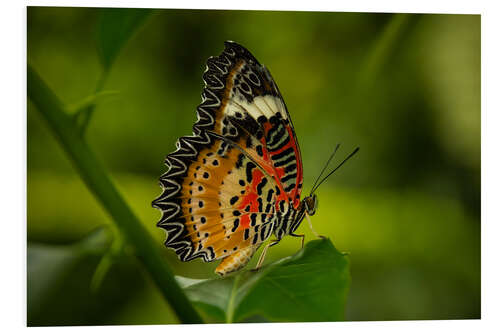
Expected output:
(283, 154)
(291, 167)
(270, 195)
(285, 161)
(289, 176)
(239, 162)
(253, 219)
(236, 223)
(289, 187)
(250, 167)
(261, 185)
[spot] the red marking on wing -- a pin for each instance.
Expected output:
(245, 221)
(279, 172)
(251, 197)
(297, 189)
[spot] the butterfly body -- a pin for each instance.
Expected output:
(237, 179)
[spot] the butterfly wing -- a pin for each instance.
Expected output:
(216, 199)
(242, 102)
(227, 183)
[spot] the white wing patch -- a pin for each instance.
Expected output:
(266, 106)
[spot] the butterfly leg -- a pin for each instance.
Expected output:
(263, 254)
(301, 236)
(312, 229)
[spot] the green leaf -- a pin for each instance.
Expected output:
(115, 251)
(49, 266)
(59, 282)
(311, 285)
(116, 26)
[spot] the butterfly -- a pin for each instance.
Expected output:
(237, 180)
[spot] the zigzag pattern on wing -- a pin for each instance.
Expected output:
(240, 102)
(216, 201)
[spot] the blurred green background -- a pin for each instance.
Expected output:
(405, 88)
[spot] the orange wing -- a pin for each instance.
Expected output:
(220, 202)
(230, 183)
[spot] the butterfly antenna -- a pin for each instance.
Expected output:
(327, 163)
(345, 160)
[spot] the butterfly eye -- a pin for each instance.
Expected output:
(311, 204)
(316, 202)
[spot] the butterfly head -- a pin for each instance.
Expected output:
(311, 204)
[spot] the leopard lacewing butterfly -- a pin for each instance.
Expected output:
(238, 178)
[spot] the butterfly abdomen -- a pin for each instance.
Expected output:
(236, 261)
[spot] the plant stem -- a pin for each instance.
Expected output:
(88, 111)
(98, 182)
